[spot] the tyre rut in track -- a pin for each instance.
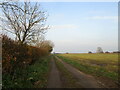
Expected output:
(54, 76)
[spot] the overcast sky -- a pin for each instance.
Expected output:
(79, 27)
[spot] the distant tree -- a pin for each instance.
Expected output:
(107, 52)
(89, 52)
(24, 19)
(99, 50)
(116, 51)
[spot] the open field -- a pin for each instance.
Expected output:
(100, 65)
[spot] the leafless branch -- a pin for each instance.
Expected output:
(26, 20)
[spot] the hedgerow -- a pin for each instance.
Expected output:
(16, 57)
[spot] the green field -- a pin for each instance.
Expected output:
(105, 65)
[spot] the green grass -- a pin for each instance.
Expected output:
(95, 64)
(34, 76)
(67, 79)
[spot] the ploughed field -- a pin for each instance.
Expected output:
(103, 66)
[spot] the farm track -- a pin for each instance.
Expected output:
(86, 81)
(54, 76)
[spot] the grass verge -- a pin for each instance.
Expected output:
(34, 76)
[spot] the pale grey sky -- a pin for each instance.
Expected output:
(79, 27)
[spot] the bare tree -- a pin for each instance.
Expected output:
(99, 50)
(89, 52)
(24, 19)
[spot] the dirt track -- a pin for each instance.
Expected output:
(54, 77)
(86, 81)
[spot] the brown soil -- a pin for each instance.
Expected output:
(106, 82)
